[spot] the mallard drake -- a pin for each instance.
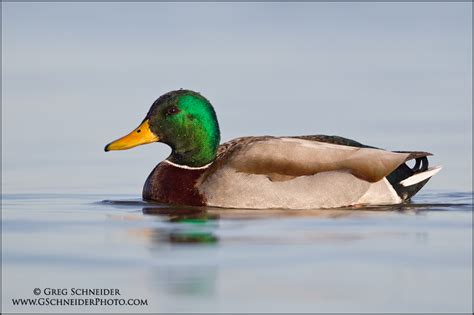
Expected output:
(297, 172)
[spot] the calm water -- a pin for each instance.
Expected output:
(395, 75)
(415, 257)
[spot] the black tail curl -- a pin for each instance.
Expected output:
(403, 172)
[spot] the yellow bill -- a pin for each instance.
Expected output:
(141, 135)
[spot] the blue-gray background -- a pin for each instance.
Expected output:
(78, 75)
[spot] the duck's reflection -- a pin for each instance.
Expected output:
(198, 225)
(190, 225)
(186, 274)
(183, 240)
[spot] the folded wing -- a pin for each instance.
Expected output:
(292, 157)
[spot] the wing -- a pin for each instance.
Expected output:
(289, 157)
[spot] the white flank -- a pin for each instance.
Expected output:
(188, 167)
(412, 180)
(380, 193)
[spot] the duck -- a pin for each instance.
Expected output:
(266, 172)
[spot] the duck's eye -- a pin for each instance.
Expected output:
(172, 110)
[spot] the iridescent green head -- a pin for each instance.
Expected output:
(183, 119)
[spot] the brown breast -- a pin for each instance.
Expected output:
(173, 185)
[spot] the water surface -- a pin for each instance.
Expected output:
(395, 75)
(413, 257)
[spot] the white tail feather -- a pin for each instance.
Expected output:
(412, 180)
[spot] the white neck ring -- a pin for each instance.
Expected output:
(188, 167)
